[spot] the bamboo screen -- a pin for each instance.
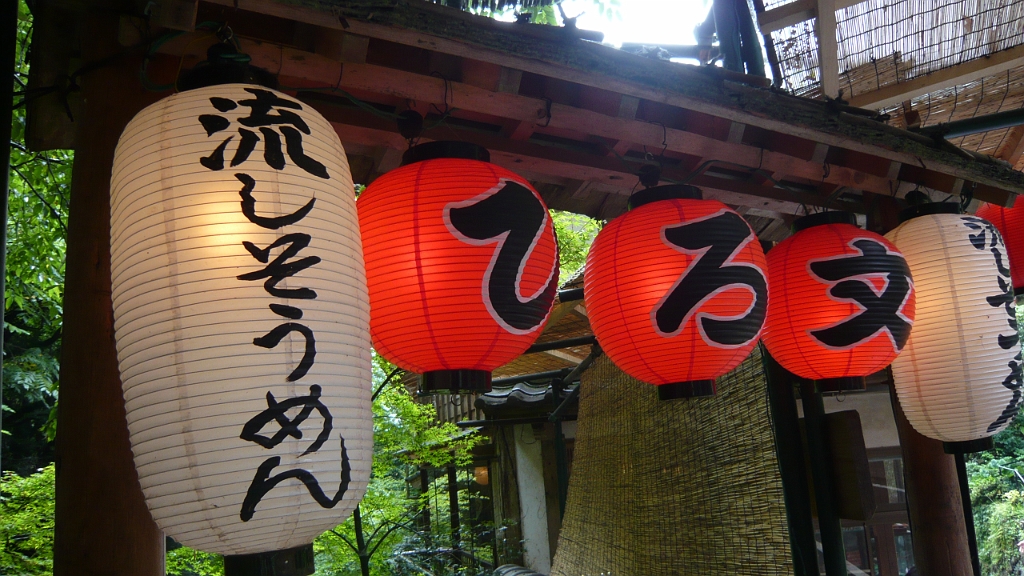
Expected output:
(913, 37)
(886, 42)
(674, 487)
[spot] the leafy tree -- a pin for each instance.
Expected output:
(36, 233)
(26, 522)
(575, 235)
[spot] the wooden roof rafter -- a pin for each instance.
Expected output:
(576, 117)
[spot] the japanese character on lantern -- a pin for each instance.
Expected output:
(881, 309)
(267, 111)
(276, 411)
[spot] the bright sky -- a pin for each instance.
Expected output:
(646, 21)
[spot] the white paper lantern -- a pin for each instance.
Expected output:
(959, 377)
(242, 319)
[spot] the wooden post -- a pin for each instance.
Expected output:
(829, 524)
(102, 524)
(933, 496)
(828, 48)
(793, 472)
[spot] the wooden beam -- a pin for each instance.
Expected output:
(529, 110)
(787, 15)
(1012, 147)
(794, 13)
(736, 131)
(628, 106)
(174, 14)
(524, 113)
(828, 48)
(953, 76)
(662, 82)
(362, 128)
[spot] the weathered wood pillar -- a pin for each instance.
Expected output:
(937, 525)
(102, 524)
(933, 490)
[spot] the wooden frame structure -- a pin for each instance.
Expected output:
(577, 118)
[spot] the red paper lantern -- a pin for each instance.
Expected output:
(676, 290)
(1010, 223)
(461, 265)
(842, 301)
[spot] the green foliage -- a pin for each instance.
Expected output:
(182, 561)
(26, 523)
(575, 235)
(36, 235)
(998, 550)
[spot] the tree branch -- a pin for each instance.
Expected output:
(1014, 470)
(53, 212)
(346, 541)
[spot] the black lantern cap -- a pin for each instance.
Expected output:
(844, 384)
(691, 389)
(968, 446)
(930, 208)
(289, 562)
(224, 64)
(455, 382)
(445, 149)
(668, 192)
(822, 218)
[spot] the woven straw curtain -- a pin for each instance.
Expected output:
(674, 487)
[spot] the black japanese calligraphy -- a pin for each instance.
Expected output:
(263, 482)
(881, 310)
(986, 237)
(280, 268)
(270, 114)
(269, 111)
(273, 338)
(514, 218)
(716, 241)
(249, 207)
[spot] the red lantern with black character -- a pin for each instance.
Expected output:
(842, 301)
(461, 265)
(676, 290)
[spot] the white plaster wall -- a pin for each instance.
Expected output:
(532, 501)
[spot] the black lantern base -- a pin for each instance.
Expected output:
(667, 192)
(290, 562)
(822, 218)
(845, 384)
(967, 447)
(455, 382)
(691, 389)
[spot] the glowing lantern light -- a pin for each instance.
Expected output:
(461, 264)
(842, 301)
(959, 376)
(676, 290)
(1010, 223)
(242, 322)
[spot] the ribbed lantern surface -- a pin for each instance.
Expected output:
(461, 263)
(676, 290)
(1010, 223)
(241, 317)
(959, 377)
(842, 302)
